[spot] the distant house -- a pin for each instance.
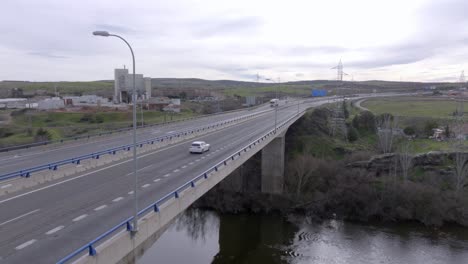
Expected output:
(438, 134)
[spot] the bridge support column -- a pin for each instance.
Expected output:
(273, 165)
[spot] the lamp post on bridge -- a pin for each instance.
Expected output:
(134, 101)
(276, 106)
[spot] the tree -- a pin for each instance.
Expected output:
(353, 134)
(301, 170)
(406, 160)
(447, 131)
(429, 126)
(365, 122)
(461, 160)
(386, 125)
(345, 110)
(409, 131)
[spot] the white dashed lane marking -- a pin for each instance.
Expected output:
(100, 207)
(146, 185)
(25, 244)
(167, 175)
(58, 228)
(130, 192)
(191, 163)
(177, 170)
(80, 217)
(117, 199)
(156, 180)
(185, 166)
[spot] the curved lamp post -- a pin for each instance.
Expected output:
(135, 219)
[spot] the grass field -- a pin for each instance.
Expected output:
(413, 107)
(63, 124)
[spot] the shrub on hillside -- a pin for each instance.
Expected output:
(429, 126)
(365, 121)
(409, 131)
(42, 135)
(353, 134)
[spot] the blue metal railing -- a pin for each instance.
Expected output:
(125, 129)
(96, 155)
(90, 246)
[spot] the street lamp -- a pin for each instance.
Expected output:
(276, 107)
(135, 218)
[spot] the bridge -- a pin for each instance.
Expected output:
(73, 202)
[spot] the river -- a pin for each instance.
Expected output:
(200, 237)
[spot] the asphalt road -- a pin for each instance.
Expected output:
(52, 220)
(22, 159)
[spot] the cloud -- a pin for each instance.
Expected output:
(47, 55)
(226, 26)
(115, 29)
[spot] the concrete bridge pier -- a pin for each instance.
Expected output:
(273, 165)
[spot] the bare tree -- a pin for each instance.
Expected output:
(461, 157)
(301, 170)
(406, 160)
(386, 128)
(461, 167)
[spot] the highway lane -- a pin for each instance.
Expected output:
(18, 160)
(105, 195)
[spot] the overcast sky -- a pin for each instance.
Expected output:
(409, 40)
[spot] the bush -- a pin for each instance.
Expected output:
(99, 119)
(429, 126)
(86, 118)
(353, 134)
(409, 131)
(5, 132)
(42, 135)
(365, 122)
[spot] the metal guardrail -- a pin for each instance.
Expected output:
(90, 246)
(125, 129)
(96, 155)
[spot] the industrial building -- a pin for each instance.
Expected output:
(123, 86)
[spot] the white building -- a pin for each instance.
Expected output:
(123, 86)
(50, 103)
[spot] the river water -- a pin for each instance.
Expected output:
(199, 237)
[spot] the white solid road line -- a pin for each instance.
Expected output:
(100, 207)
(79, 217)
(25, 244)
(146, 185)
(6, 186)
(145, 167)
(58, 228)
(21, 216)
(117, 199)
(156, 180)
